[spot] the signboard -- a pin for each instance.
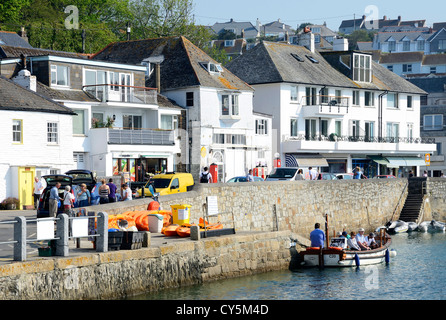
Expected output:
(427, 159)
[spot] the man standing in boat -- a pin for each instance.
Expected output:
(317, 236)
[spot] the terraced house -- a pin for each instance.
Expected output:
(119, 124)
(335, 110)
(220, 127)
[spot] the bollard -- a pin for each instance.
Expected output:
(195, 232)
(102, 230)
(20, 237)
(62, 248)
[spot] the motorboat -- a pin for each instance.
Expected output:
(336, 253)
(424, 226)
(438, 226)
(398, 226)
(412, 226)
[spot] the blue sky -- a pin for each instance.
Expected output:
(294, 12)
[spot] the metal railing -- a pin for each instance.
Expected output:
(332, 137)
(122, 93)
(61, 234)
(141, 137)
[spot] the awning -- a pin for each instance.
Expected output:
(395, 162)
(311, 161)
(379, 159)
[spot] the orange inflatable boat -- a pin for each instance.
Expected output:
(170, 230)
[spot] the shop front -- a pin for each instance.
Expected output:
(140, 167)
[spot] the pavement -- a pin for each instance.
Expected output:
(78, 247)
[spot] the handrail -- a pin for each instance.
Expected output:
(399, 201)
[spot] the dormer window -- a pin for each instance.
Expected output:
(211, 67)
(59, 75)
(362, 67)
(229, 43)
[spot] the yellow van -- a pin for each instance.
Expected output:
(168, 183)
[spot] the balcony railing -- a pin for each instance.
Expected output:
(122, 93)
(327, 104)
(336, 138)
(141, 137)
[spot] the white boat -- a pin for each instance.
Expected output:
(339, 257)
(424, 226)
(438, 226)
(412, 226)
(398, 226)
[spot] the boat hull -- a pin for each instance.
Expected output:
(345, 258)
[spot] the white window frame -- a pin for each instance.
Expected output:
(55, 70)
(395, 100)
(52, 132)
(294, 93)
(294, 127)
(362, 67)
(261, 126)
(17, 130)
(231, 103)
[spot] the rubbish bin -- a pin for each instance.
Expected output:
(155, 222)
(181, 213)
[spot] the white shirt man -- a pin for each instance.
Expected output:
(362, 240)
(312, 173)
(38, 188)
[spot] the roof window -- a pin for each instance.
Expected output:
(311, 59)
(297, 57)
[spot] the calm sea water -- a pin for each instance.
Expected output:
(417, 272)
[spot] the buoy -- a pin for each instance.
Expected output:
(387, 256)
(392, 253)
(357, 262)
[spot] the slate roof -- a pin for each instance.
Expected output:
(398, 36)
(248, 27)
(15, 52)
(434, 59)
(16, 98)
(67, 95)
(401, 57)
(271, 62)
(9, 38)
(180, 68)
(430, 84)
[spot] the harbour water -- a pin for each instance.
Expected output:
(417, 272)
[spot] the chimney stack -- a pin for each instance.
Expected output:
(306, 39)
(24, 77)
(22, 33)
(340, 44)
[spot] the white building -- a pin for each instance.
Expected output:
(36, 139)
(335, 110)
(220, 125)
(120, 125)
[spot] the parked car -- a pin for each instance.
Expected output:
(83, 176)
(51, 180)
(326, 176)
(384, 176)
(243, 179)
(168, 183)
(285, 173)
(344, 176)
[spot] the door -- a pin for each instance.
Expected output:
(26, 186)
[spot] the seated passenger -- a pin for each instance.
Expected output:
(371, 242)
(361, 239)
(317, 236)
(351, 243)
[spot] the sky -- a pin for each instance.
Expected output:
(295, 12)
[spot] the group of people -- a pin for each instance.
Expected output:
(354, 241)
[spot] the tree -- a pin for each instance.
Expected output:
(359, 36)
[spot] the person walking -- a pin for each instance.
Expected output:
(317, 236)
(113, 188)
(38, 188)
(104, 192)
(205, 176)
(300, 175)
(54, 200)
(249, 176)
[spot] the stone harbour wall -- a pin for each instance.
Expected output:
(436, 191)
(289, 205)
(118, 274)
